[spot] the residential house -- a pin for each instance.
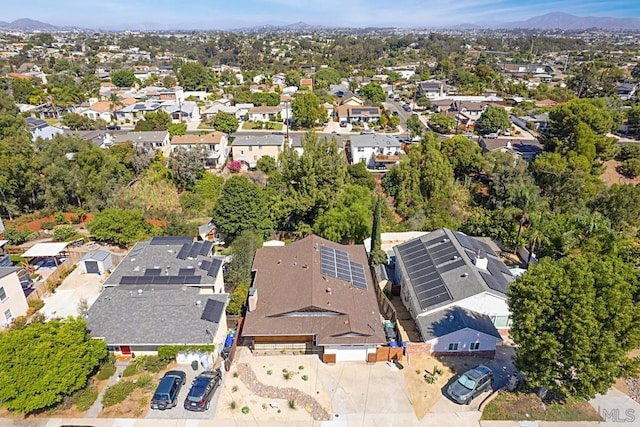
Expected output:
(431, 89)
(212, 147)
(265, 113)
(210, 232)
(240, 111)
(134, 112)
(306, 83)
(180, 111)
(468, 113)
(536, 122)
(449, 277)
(377, 151)
(153, 140)
(352, 114)
(278, 80)
(626, 91)
(98, 110)
(41, 129)
(13, 302)
(187, 111)
(100, 138)
(350, 98)
(322, 300)
(166, 291)
(5, 260)
(259, 79)
(520, 70)
(248, 149)
(526, 149)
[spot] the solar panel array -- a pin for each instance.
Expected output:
(497, 283)
(425, 278)
(336, 263)
(152, 272)
(184, 252)
(473, 244)
(215, 266)
(195, 249)
(186, 271)
(160, 280)
(206, 248)
(212, 311)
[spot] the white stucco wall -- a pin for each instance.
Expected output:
(350, 353)
(14, 299)
(464, 338)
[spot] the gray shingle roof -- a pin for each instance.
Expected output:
(376, 140)
(148, 137)
(157, 316)
(444, 322)
(5, 271)
(96, 255)
(251, 140)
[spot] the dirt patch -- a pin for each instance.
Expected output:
(422, 394)
(135, 406)
(611, 175)
(406, 324)
(528, 406)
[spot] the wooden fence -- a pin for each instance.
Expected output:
(234, 346)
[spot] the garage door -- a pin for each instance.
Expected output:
(351, 355)
(91, 266)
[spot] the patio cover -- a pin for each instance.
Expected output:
(45, 250)
(3, 242)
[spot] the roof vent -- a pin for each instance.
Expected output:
(328, 290)
(198, 303)
(455, 257)
(445, 240)
(464, 274)
(136, 268)
(139, 291)
(451, 318)
(305, 265)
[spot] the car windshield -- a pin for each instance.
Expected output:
(196, 394)
(467, 382)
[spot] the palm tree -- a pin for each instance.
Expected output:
(536, 234)
(527, 199)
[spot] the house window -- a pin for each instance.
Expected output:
(259, 147)
(453, 346)
(250, 148)
(3, 294)
(241, 152)
(8, 315)
(360, 149)
(474, 346)
(255, 157)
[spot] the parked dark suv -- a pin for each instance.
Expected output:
(470, 384)
(202, 390)
(166, 394)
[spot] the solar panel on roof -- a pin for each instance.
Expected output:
(152, 271)
(452, 266)
(192, 280)
(128, 280)
(497, 283)
(204, 265)
(337, 263)
(212, 311)
(186, 272)
(184, 252)
(195, 249)
(160, 280)
(472, 244)
(215, 267)
(175, 280)
(206, 248)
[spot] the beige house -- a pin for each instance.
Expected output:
(212, 146)
(265, 113)
(249, 149)
(13, 302)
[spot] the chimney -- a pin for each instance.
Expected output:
(253, 298)
(481, 262)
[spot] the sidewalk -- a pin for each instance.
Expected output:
(97, 405)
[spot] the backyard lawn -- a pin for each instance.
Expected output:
(259, 125)
(528, 406)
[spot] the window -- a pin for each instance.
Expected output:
(255, 157)
(3, 294)
(241, 152)
(474, 346)
(360, 149)
(259, 147)
(453, 346)
(8, 315)
(250, 148)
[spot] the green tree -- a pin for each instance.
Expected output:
(186, 168)
(464, 155)
(267, 164)
(349, 221)
(414, 126)
(373, 92)
(493, 119)
(76, 121)
(377, 254)
(292, 78)
(119, 226)
(209, 187)
(307, 111)
(359, 175)
(123, 77)
(326, 76)
(169, 81)
(42, 363)
(574, 322)
(442, 123)
(176, 129)
(195, 76)
(225, 122)
(25, 91)
(241, 206)
(154, 120)
(243, 249)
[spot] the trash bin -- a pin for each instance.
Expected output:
(194, 365)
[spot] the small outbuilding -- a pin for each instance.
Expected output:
(96, 262)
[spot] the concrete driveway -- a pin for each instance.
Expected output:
(179, 413)
(76, 287)
(617, 409)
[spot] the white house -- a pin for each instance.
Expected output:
(13, 302)
(455, 288)
(41, 129)
(375, 150)
(212, 146)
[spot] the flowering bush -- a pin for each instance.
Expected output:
(235, 166)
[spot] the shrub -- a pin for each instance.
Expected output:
(84, 398)
(236, 374)
(287, 375)
(145, 381)
(150, 363)
(233, 404)
(245, 409)
(18, 237)
(235, 166)
(36, 304)
(63, 232)
(237, 299)
(292, 404)
(131, 369)
(106, 372)
(167, 353)
(269, 372)
(234, 389)
(117, 393)
(48, 225)
(59, 218)
(630, 167)
(305, 378)
(300, 368)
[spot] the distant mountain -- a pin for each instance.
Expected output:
(565, 21)
(26, 24)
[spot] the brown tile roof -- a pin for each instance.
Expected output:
(288, 279)
(102, 106)
(210, 138)
(128, 101)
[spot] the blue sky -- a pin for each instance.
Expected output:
(224, 14)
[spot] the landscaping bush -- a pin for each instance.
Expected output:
(630, 167)
(117, 393)
(59, 218)
(48, 225)
(245, 409)
(106, 372)
(130, 370)
(167, 353)
(145, 381)
(150, 363)
(18, 237)
(84, 398)
(237, 299)
(63, 232)
(34, 305)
